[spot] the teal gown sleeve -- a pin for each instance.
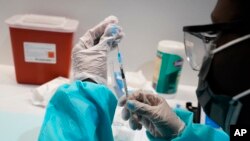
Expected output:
(193, 131)
(81, 111)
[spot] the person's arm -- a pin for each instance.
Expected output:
(89, 55)
(194, 131)
(84, 109)
(163, 123)
(152, 112)
(79, 112)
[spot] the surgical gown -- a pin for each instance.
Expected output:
(81, 111)
(84, 111)
(193, 131)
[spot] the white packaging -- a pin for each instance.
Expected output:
(42, 94)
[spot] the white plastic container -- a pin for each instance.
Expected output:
(168, 66)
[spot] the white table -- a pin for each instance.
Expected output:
(21, 121)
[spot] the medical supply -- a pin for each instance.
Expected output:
(137, 80)
(121, 129)
(155, 114)
(118, 84)
(194, 131)
(41, 46)
(200, 41)
(90, 53)
(80, 111)
(196, 111)
(168, 66)
(42, 94)
(119, 57)
(122, 133)
(213, 104)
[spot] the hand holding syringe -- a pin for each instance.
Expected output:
(114, 32)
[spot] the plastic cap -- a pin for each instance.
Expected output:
(42, 22)
(172, 47)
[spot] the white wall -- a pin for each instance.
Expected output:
(145, 22)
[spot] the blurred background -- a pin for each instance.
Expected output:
(145, 23)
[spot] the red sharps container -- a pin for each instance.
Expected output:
(41, 47)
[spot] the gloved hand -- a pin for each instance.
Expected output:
(153, 112)
(89, 55)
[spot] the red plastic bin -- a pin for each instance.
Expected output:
(41, 47)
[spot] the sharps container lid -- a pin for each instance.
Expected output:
(42, 22)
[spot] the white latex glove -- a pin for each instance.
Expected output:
(153, 112)
(89, 55)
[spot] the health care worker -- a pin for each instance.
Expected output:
(220, 52)
(84, 110)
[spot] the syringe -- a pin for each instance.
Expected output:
(122, 72)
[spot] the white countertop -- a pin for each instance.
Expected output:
(21, 121)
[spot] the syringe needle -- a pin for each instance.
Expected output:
(122, 72)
